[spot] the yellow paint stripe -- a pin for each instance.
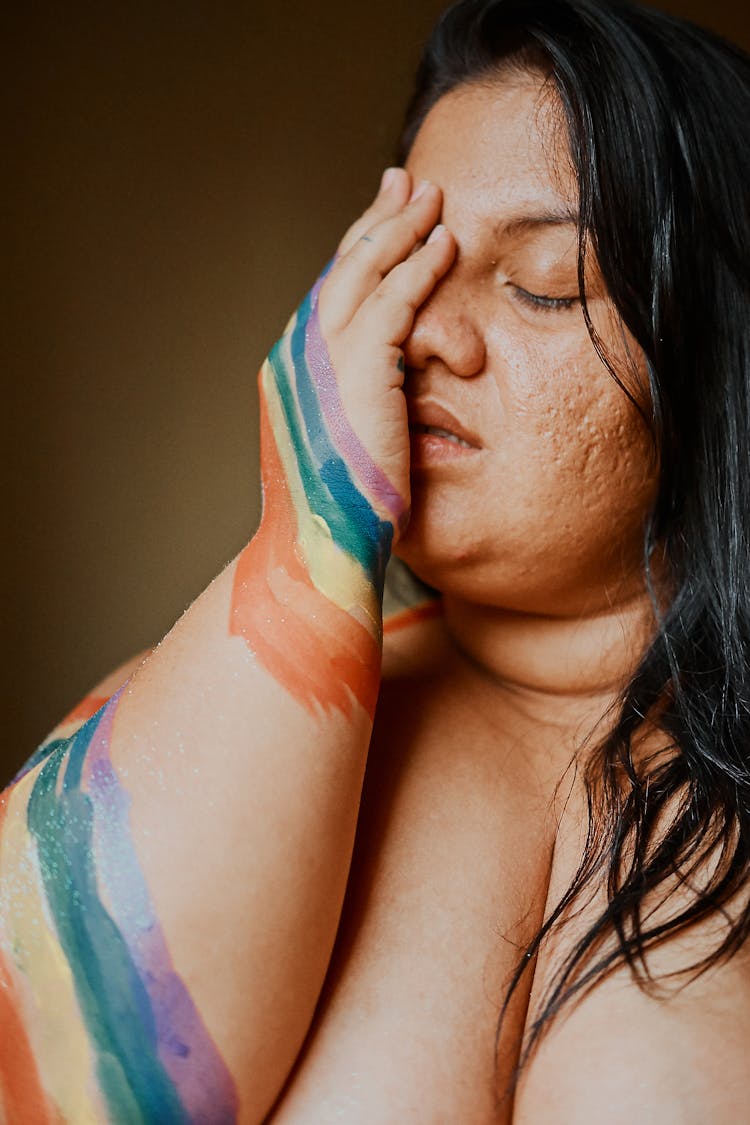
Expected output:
(52, 1016)
(334, 572)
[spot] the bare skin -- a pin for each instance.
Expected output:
(366, 940)
(472, 821)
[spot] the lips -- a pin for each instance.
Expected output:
(434, 419)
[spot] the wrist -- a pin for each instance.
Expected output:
(310, 617)
(310, 490)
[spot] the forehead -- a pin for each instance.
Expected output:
(501, 144)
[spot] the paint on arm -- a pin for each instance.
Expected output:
(103, 1026)
(90, 704)
(307, 594)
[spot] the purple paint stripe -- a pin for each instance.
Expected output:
(185, 1047)
(351, 448)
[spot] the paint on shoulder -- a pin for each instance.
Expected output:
(412, 615)
(414, 640)
(413, 629)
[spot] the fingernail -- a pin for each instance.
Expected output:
(388, 179)
(436, 233)
(419, 190)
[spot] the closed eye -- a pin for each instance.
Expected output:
(544, 304)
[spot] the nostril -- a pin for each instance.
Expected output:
(446, 331)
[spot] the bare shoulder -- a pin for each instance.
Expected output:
(677, 1056)
(414, 640)
(97, 696)
(622, 1057)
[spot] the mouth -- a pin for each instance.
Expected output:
(438, 438)
(429, 418)
(437, 431)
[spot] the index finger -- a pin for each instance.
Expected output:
(390, 199)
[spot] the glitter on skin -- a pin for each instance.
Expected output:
(113, 1030)
(321, 548)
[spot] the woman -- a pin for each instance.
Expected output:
(525, 372)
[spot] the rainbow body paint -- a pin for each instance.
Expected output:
(96, 1024)
(308, 589)
(103, 1027)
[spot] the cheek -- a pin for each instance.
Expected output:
(587, 450)
(601, 455)
(559, 503)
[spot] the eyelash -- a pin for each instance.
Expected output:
(546, 304)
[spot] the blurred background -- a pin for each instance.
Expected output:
(176, 175)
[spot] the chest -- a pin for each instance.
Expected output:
(448, 881)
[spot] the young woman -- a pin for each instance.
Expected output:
(505, 876)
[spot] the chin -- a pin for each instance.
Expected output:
(430, 547)
(448, 568)
(443, 525)
(543, 582)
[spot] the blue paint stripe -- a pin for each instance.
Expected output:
(114, 1003)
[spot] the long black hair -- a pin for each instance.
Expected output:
(658, 123)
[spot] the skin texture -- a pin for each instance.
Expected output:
(534, 536)
(546, 516)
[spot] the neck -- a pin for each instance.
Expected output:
(558, 670)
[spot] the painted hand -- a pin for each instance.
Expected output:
(307, 594)
(332, 385)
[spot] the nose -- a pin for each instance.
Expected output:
(447, 329)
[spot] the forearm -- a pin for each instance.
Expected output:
(218, 790)
(247, 801)
(243, 793)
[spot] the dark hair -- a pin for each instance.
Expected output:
(658, 122)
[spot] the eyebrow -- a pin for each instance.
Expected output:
(518, 224)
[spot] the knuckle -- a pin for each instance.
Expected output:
(397, 279)
(412, 273)
(351, 232)
(434, 272)
(362, 246)
(356, 231)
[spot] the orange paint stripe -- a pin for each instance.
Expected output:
(412, 616)
(322, 655)
(23, 1097)
(82, 711)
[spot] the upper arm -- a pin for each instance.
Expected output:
(622, 1056)
(96, 697)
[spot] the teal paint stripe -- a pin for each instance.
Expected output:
(40, 754)
(345, 531)
(114, 1003)
(333, 470)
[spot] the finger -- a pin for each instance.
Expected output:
(387, 316)
(386, 244)
(395, 189)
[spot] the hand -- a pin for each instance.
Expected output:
(332, 385)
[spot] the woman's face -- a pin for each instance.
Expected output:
(544, 512)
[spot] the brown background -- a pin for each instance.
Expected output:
(178, 173)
